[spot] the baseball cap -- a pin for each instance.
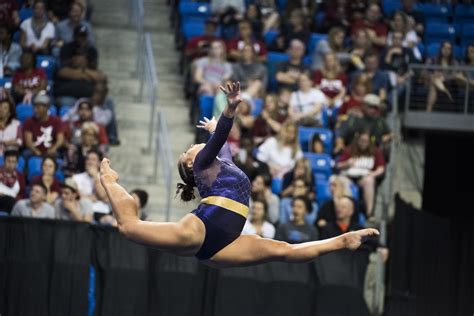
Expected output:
(372, 100)
(71, 184)
(42, 98)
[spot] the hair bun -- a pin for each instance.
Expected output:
(187, 192)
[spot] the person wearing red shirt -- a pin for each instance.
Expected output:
(85, 114)
(235, 46)
(377, 30)
(363, 162)
(353, 103)
(28, 80)
(43, 133)
(331, 80)
(199, 46)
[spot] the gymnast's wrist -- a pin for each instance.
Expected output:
(228, 112)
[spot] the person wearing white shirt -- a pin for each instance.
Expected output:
(306, 104)
(281, 152)
(37, 32)
(257, 222)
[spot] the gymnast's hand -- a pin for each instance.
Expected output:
(233, 95)
(353, 240)
(208, 124)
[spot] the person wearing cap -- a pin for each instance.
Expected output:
(28, 80)
(70, 206)
(371, 119)
(43, 133)
(37, 32)
(80, 42)
(65, 29)
(36, 205)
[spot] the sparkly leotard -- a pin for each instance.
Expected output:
(224, 189)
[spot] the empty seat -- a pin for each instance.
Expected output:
(433, 11)
(269, 37)
(194, 9)
(438, 32)
(467, 36)
(24, 112)
(277, 185)
(323, 192)
(192, 29)
(34, 167)
(257, 107)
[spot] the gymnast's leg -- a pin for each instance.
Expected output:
(252, 249)
(182, 238)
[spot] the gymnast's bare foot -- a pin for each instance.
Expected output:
(353, 240)
(107, 174)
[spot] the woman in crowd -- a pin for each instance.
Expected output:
(48, 179)
(261, 191)
(364, 164)
(245, 120)
(257, 222)
(76, 154)
(37, 32)
(268, 123)
(297, 230)
(306, 104)
(70, 206)
(334, 44)
(303, 171)
(332, 81)
(361, 46)
(299, 188)
(352, 105)
(281, 152)
(399, 23)
(10, 128)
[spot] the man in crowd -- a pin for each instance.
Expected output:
(70, 206)
(12, 182)
(288, 72)
(36, 205)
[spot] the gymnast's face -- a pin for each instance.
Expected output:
(188, 156)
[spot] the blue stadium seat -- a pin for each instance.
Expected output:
(319, 17)
(321, 164)
(273, 59)
(434, 11)
(50, 87)
(323, 192)
(277, 185)
(258, 107)
(269, 37)
(34, 167)
(437, 32)
(206, 106)
(25, 13)
(63, 110)
(464, 13)
(192, 29)
(433, 50)
(305, 135)
(6, 82)
(194, 9)
(390, 6)
(281, 4)
(467, 36)
(48, 63)
(24, 112)
(20, 165)
(313, 41)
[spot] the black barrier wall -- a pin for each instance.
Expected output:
(44, 270)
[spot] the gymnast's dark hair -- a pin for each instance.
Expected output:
(187, 175)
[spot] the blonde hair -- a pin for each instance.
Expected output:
(331, 73)
(295, 146)
(90, 126)
(307, 169)
(343, 185)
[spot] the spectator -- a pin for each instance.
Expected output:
(316, 145)
(343, 223)
(220, 100)
(58, 10)
(332, 81)
(469, 62)
(37, 32)
(334, 44)
(85, 114)
(211, 71)
(244, 158)
(337, 15)
(76, 154)
(297, 230)
(9, 13)
(261, 192)
(221, 6)
(371, 119)
(302, 171)
(268, 123)
(199, 46)
(12, 182)
(396, 59)
(353, 103)
(415, 19)
(28, 80)
(296, 29)
(48, 179)
(88, 183)
(35, 206)
(361, 46)
(306, 104)
(141, 196)
(80, 43)
(440, 80)
(70, 206)
(340, 186)
(379, 79)
(281, 152)
(364, 164)
(288, 72)
(104, 112)
(299, 188)
(257, 222)
(269, 15)
(244, 120)
(376, 28)
(76, 80)
(251, 74)
(246, 38)
(10, 52)
(43, 133)
(10, 127)
(399, 23)
(65, 29)
(255, 18)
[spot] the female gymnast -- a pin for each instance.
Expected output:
(212, 231)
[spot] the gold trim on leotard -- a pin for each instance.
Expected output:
(226, 203)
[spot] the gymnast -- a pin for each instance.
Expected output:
(212, 231)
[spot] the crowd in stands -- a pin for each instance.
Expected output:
(56, 119)
(317, 80)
